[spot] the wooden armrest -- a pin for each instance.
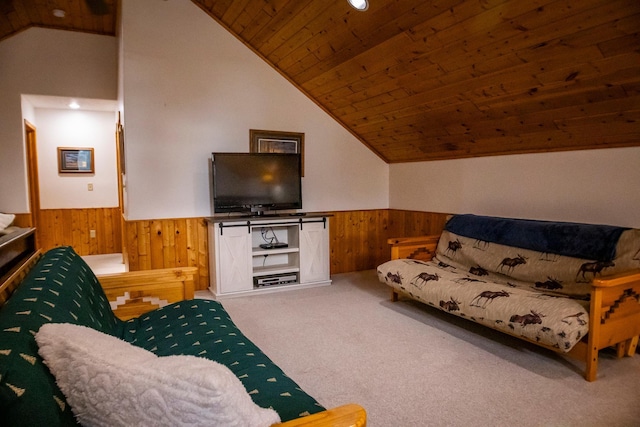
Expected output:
(350, 415)
(148, 277)
(402, 241)
(420, 247)
(628, 277)
(136, 292)
(614, 317)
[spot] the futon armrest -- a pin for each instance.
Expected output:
(350, 415)
(420, 247)
(403, 241)
(136, 292)
(626, 278)
(614, 317)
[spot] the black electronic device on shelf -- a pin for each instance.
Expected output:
(255, 183)
(274, 245)
(271, 242)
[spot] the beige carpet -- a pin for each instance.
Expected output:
(410, 365)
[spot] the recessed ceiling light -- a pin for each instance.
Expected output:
(74, 105)
(58, 13)
(361, 5)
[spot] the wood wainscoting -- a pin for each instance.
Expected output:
(23, 220)
(358, 240)
(71, 227)
(168, 243)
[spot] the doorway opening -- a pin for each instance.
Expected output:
(59, 210)
(32, 177)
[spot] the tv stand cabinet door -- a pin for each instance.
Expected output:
(233, 260)
(314, 252)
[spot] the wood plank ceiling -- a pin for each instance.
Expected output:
(434, 79)
(442, 79)
(89, 16)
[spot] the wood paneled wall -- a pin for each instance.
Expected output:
(71, 227)
(168, 243)
(358, 239)
(416, 223)
(23, 220)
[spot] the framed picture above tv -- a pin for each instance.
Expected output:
(267, 141)
(75, 160)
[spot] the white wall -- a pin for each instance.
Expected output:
(594, 186)
(190, 88)
(45, 62)
(67, 128)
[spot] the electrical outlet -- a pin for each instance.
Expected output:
(90, 186)
(92, 234)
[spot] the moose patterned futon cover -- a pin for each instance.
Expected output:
(538, 290)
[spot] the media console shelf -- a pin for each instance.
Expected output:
(249, 255)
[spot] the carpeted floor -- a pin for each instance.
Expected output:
(410, 365)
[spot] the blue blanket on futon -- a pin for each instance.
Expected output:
(587, 241)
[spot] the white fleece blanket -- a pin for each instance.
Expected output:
(6, 220)
(109, 382)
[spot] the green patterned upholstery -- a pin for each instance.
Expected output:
(61, 288)
(203, 328)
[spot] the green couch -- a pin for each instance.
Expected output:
(61, 288)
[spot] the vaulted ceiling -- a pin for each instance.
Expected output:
(89, 16)
(433, 79)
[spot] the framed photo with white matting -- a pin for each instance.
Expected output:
(267, 141)
(75, 160)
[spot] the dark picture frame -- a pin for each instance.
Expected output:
(120, 141)
(75, 160)
(267, 141)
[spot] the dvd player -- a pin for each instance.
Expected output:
(276, 245)
(275, 280)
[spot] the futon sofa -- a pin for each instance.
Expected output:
(573, 288)
(190, 339)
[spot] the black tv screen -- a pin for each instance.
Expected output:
(256, 182)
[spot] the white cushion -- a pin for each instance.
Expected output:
(109, 382)
(6, 220)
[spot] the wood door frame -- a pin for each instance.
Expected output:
(33, 179)
(120, 171)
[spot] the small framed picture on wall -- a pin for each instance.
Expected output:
(75, 160)
(266, 141)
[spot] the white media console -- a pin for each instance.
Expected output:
(248, 255)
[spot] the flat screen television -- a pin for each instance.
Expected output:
(255, 183)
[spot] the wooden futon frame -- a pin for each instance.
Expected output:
(614, 315)
(137, 292)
